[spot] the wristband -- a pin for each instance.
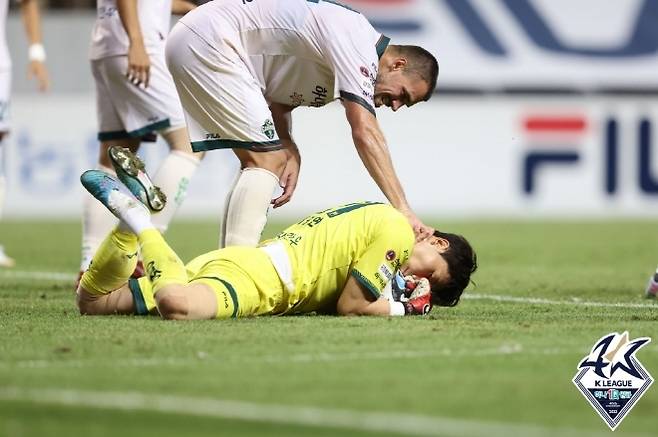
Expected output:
(36, 52)
(396, 309)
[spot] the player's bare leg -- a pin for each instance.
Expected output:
(248, 201)
(166, 273)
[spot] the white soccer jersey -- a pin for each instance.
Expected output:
(5, 60)
(303, 52)
(109, 38)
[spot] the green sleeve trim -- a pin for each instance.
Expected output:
(381, 45)
(366, 283)
(358, 99)
(265, 146)
(231, 292)
(138, 298)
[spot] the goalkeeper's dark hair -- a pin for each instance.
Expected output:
(420, 62)
(462, 263)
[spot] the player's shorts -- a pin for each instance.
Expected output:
(243, 279)
(128, 111)
(223, 102)
(5, 87)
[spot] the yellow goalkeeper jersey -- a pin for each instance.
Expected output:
(367, 240)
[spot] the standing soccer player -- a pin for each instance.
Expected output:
(135, 98)
(242, 66)
(36, 69)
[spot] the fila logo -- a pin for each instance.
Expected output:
(555, 141)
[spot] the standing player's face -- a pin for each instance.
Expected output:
(426, 261)
(394, 88)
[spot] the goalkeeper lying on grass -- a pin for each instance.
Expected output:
(337, 261)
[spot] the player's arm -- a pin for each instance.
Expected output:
(282, 117)
(371, 145)
(139, 64)
(356, 301)
(36, 52)
(181, 7)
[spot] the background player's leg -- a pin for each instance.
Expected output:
(5, 261)
(97, 222)
(245, 214)
(174, 174)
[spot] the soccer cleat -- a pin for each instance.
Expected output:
(652, 286)
(111, 193)
(130, 170)
(5, 260)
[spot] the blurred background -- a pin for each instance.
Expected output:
(544, 108)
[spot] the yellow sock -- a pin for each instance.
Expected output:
(113, 263)
(163, 267)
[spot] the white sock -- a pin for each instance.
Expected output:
(97, 222)
(246, 207)
(138, 220)
(173, 177)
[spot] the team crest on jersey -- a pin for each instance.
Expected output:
(268, 129)
(390, 255)
(611, 378)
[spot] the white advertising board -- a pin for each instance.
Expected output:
(456, 157)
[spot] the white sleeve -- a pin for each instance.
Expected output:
(355, 61)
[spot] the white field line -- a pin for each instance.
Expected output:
(202, 358)
(541, 301)
(70, 277)
(39, 276)
(407, 424)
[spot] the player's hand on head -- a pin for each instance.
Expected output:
(37, 70)
(421, 230)
(139, 65)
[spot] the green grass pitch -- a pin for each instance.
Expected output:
(485, 368)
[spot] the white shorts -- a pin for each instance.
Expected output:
(223, 102)
(128, 111)
(5, 87)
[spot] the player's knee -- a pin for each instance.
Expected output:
(86, 303)
(173, 306)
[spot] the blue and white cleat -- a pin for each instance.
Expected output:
(131, 171)
(111, 193)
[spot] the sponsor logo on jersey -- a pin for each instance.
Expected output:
(320, 94)
(385, 270)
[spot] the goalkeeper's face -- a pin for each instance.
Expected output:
(426, 261)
